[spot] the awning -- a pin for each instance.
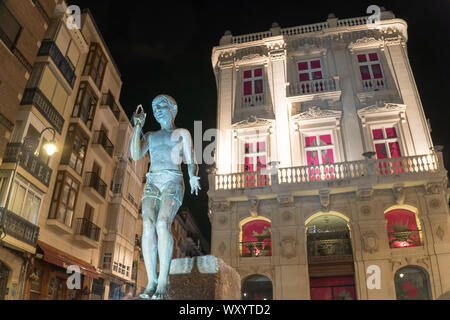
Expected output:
(61, 259)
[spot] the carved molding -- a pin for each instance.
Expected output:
(399, 194)
(285, 200)
(440, 233)
(365, 194)
(254, 208)
(325, 200)
(316, 112)
(252, 122)
(379, 109)
(366, 210)
(288, 247)
(370, 242)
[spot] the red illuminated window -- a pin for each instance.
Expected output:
(255, 154)
(387, 143)
(402, 229)
(253, 82)
(320, 151)
(310, 70)
(370, 66)
(256, 239)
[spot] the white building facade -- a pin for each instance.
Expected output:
(325, 167)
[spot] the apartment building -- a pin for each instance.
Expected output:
(58, 206)
(188, 239)
(327, 184)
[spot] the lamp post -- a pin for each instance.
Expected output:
(32, 144)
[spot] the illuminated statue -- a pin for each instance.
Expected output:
(164, 191)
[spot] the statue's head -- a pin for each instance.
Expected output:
(164, 108)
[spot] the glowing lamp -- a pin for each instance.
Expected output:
(50, 148)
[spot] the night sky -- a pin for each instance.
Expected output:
(166, 48)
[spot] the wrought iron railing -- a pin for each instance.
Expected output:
(256, 248)
(133, 202)
(88, 229)
(19, 228)
(101, 138)
(404, 239)
(49, 48)
(329, 247)
(94, 181)
(108, 100)
(15, 152)
(35, 97)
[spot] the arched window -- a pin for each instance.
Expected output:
(256, 238)
(257, 287)
(411, 283)
(402, 229)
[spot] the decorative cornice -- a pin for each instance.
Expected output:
(252, 122)
(317, 113)
(386, 107)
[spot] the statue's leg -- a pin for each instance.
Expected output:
(168, 209)
(149, 245)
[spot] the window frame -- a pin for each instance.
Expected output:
(310, 71)
(96, 64)
(58, 191)
(69, 148)
(90, 111)
(369, 64)
(29, 188)
(317, 134)
(386, 140)
(253, 80)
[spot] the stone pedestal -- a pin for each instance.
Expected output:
(203, 278)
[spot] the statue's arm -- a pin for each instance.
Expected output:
(138, 147)
(188, 153)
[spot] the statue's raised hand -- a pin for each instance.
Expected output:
(139, 116)
(195, 185)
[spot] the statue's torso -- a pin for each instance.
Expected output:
(165, 151)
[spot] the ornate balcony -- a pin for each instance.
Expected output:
(32, 164)
(87, 233)
(256, 249)
(49, 48)
(374, 85)
(253, 100)
(18, 227)
(305, 90)
(35, 97)
(346, 174)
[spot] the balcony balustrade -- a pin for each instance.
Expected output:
(35, 97)
(253, 100)
(329, 247)
(18, 227)
(101, 138)
(404, 239)
(374, 85)
(313, 87)
(108, 101)
(346, 171)
(88, 229)
(27, 160)
(92, 180)
(49, 48)
(256, 249)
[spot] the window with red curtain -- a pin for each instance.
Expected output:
(253, 82)
(310, 70)
(386, 142)
(333, 288)
(370, 66)
(256, 239)
(256, 161)
(402, 229)
(320, 151)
